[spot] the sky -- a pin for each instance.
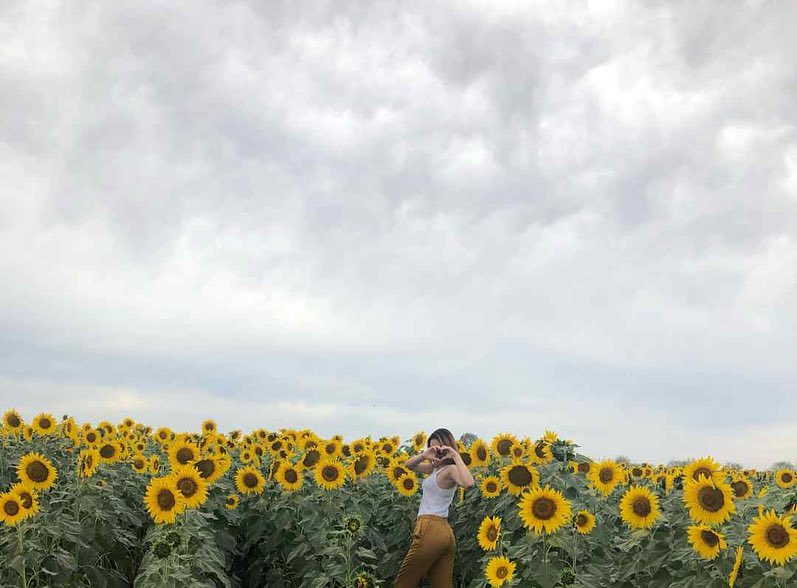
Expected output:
(383, 218)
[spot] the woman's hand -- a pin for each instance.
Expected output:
(432, 454)
(447, 451)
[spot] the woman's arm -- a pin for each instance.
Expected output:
(418, 463)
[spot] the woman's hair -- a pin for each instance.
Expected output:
(445, 437)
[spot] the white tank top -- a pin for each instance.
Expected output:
(435, 500)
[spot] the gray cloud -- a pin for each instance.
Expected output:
(586, 210)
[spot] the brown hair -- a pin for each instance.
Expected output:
(445, 437)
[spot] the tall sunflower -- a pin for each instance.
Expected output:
(773, 538)
(209, 427)
(584, 522)
(163, 500)
(517, 477)
(499, 571)
(502, 444)
(489, 532)
(27, 498)
(330, 474)
(544, 509)
(407, 484)
(742, 487)
(785, 478)
(110, 450)
(249, 480)
(88, 462)
(37, 471)
(289, 477)
(703, 467)
(210, 468)
(541, 452)
(639, 507)
(232, 501)
(12, 421)
(491, 486)
(44, 424)
(605, 476)
(479, 453)
(710, 502)
(706, 541)
(11, 509)
(182, 452)
(191, 485)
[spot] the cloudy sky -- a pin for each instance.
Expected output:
(378, 218)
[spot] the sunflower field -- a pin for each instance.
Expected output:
(127, 505)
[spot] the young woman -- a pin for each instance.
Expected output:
(432, 549)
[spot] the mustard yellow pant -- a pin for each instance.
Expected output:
(431, 554)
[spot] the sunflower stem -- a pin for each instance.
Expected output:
(21, 539)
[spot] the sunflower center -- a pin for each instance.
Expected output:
(184, 455)
(777, 536)
(89, 461)
(107, 451)
(520, 475)
(206, 467)
(45, 423)
(166, 500)
(250, 480)
(37, 471)
(711, 499)
(503, 446)
(397, 471)
(581, 520)
(491, 487)
(539, 449)
(138, 464)
(13, 420)
(291, 477)
(481, 453)
(502, 572)
(329, 473)
(492, 533)
(702, 471)
(408, 484)
(739, 488)
(606, 475)
(91, 437)
(11, 508)
(26, 499)
(641, 506)
(311, 458)
(543, 508)
(583, 467)
(787, 478)
(636, 472)
(710, 538)
(187, 487)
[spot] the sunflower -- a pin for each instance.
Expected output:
(584, 522)
(705, 466)
(706, 541)
(710, 502)
(353, 525)
(27, 498)
(43, 424)
(209, 427)
(11, 509)
(332, 449)
(541, 452)
(491, 486)
(154, 464)
(639, 507)
(407, 483)
(191, 485)
(12, 421)
(182, 452)
(163, 435)
(163, 500)
(517, 477)
(737, 564)
(502, 444)
(90, 437)
(605, 476)
(232, 501)
(330, 474)
(88, 462)
(140, 464)
(37, 471)
(110, 450)
(289, 477)
(785, 478)
(773, 538)
(489, 532)
(479, 453)
(544, 509)
(742, 487)
(395, 469)
(581, 467)
(499, 570)
(249, 480)
(210, 468)
(363, 464)
(418, 440)
(363, 580)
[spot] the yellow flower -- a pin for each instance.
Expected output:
(706, 541)
(584, 522)
(517, 477)
(639, 507)
(785, 478)
(544, 509)
(163, 500)
(489, 532)
(703, 467)
(11, 509)
(12, 421)
(407, 484)
(499, 570)
(44, 424)
(773, 538)
(37, 471)
(736, 565)
(605, 476)
(710, 502)
(330, 474)
(191, 485)
(490, 486)
(232, 502)
(249, 480)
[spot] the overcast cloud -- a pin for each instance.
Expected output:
(378, 218)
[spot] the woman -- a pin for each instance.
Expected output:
(432, 549)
